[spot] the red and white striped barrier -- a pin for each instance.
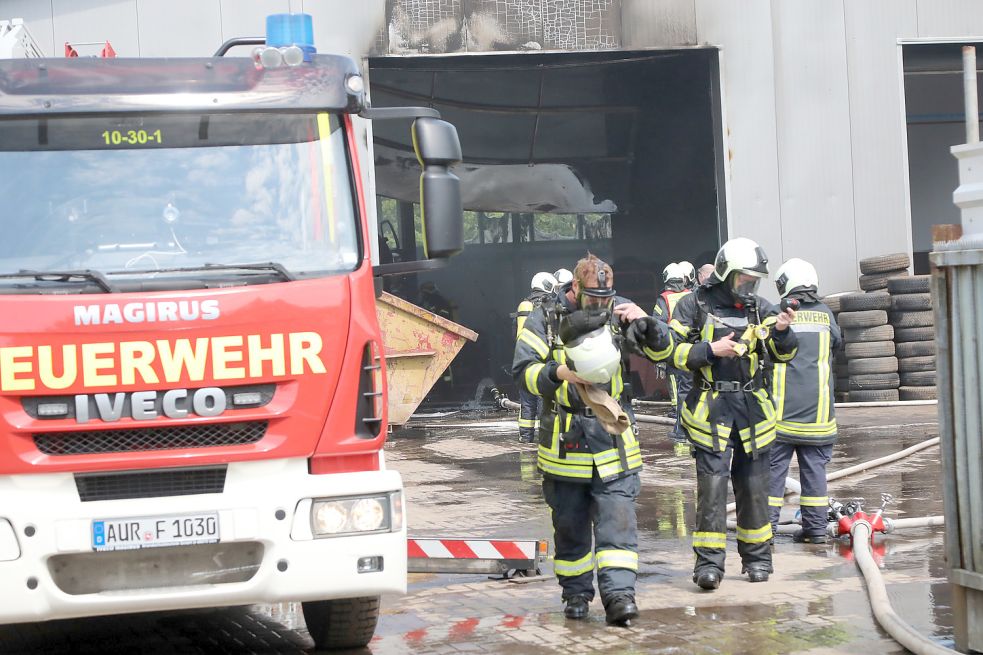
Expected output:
(432, 555)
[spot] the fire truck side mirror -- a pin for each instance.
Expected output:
(437, 147)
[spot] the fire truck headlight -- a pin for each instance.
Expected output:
(329, 517)
(368, 514)
(355, 84)
(347, 516)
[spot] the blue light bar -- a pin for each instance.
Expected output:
(284, 30)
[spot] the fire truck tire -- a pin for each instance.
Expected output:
(874, 381)
(918, 393)
(910, 364)
(873, 365)
(858, 302)
(879, 333)
(885, 263)
(342, 623)
(869, 349)
(915, 334)
(878, 281)
(912, 319)
(911, 302)
(913, 284)
(871, 318)
(915, 349)
(870, 396)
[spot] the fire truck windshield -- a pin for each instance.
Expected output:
(132, 195)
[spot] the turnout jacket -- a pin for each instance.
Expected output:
(528, 304)
(665, 305)
(727, 392)
(572, 443)
(803, 387)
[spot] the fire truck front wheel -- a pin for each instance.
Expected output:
(343, 622)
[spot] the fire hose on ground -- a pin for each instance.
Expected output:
(861, 533)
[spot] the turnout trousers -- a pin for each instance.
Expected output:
(682, 382)
(750, 479)
(529, 404)
(602, 512)
(812, 476)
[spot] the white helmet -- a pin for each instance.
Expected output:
(563, 275)
(688, 272)
(796, 274)
(740, 255)
(544, 282)
(593, 356)
(672, 272)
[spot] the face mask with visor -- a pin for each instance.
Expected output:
(602, 294)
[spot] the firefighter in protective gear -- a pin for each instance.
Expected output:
(729, 415)
(543, 285)
(674, 280)
(802, 390)
(590, 477)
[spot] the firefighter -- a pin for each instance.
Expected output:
(704, 274)
(674, 281)
(543, 285)
(802, 390)
(590, 477)
(729, 415)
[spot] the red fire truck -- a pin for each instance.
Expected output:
(192, 388)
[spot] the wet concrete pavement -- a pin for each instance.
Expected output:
(466, 476)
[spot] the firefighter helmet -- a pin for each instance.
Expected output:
(563, 276)
(593, 356)
(544, 282)
(795, 275)
(688, 272)
(740, 255)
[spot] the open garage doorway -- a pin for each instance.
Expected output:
(933, 89)
(619, 153)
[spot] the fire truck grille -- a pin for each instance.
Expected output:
(150, 484)
(91, 442)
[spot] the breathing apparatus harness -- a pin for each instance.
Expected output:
(751, 341)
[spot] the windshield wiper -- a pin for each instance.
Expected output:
(66, 276)
(276, 267)
(262, 266)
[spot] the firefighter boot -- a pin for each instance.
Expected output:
(577, 607)
(800, 537)
(708, 578)
(620, 610)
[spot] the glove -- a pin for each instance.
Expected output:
(581, 322)
(642, 332)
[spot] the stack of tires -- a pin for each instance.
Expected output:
(876, 271)
(914, 336)
(872, 367)
(841, 387)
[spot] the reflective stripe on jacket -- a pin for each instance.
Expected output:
(803, 388)
(572, 445)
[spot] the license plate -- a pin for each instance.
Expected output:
(155, 531)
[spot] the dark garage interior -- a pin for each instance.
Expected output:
(618, 153)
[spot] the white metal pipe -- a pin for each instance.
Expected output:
(886, 403)
(900, 631)
(660, 420)
(969, 95)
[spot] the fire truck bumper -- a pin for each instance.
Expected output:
(248, 540)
